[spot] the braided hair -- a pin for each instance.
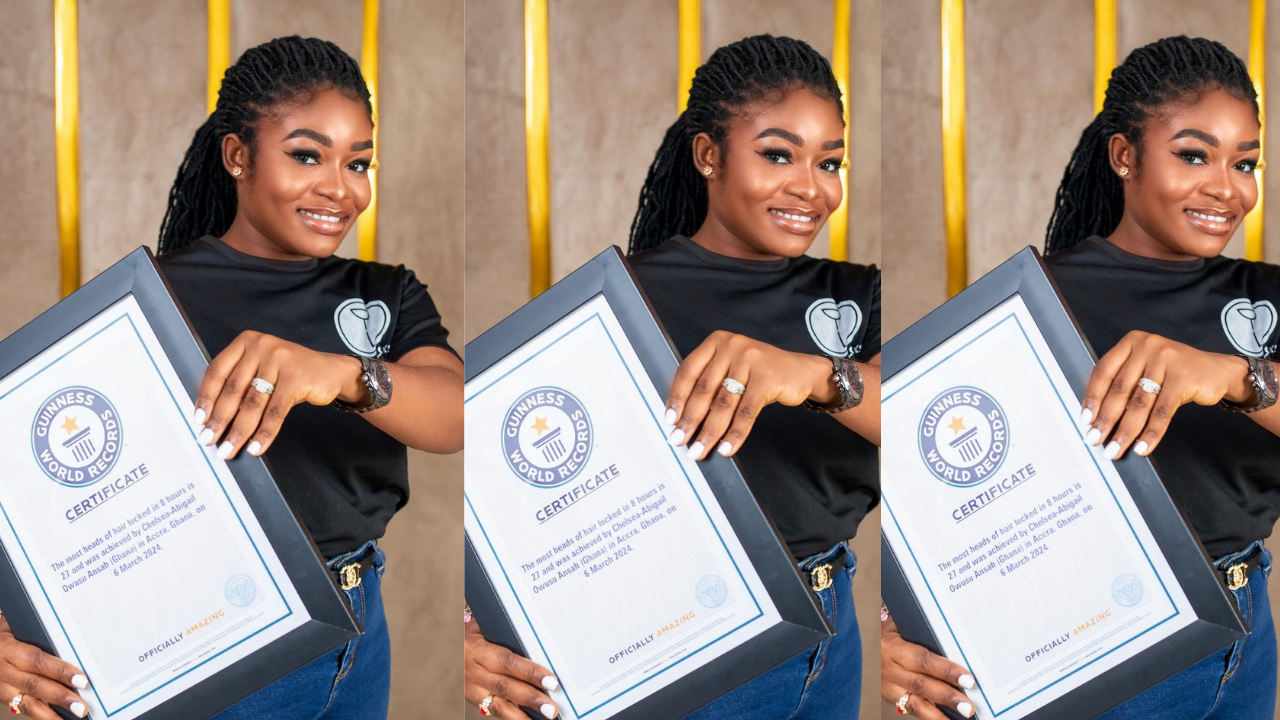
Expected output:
(757, 69)
(286, 70)
(1090, 200)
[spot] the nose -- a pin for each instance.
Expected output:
(332, 184)
(802, 184)
(1222, 184)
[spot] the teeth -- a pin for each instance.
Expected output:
(1211, 218)
(326, 218)
(800, 218)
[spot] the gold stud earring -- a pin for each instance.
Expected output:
(1124, 172)
(236, 171)
(707, 171)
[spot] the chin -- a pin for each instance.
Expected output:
(1205, 246)
(316, 245)
(788, 245)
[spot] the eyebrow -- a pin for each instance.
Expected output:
(327, 141)
(1212, 141)
(796, 139)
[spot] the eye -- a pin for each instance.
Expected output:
(833, 165)
(361, 166)
(1248, 166)
(1193, 157)
(306, 157)
(777, 157)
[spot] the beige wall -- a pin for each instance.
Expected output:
(143, 69)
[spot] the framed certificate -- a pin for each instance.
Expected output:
(1067, 583)
(648, 583)
(179, 583)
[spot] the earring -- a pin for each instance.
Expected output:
(1124, 172)
(236, 171)
(707, 171)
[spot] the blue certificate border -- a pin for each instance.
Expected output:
(657, 424)
(289, 610)
(1013, 316)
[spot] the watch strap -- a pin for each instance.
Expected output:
(1262, 375)
(377, 382)
(848, 380)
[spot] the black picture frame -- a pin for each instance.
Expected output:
(1218, 622)
(803, 622)
(331, 623)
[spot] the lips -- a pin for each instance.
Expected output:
(799, 221)
(1210, 220)
(324, 220)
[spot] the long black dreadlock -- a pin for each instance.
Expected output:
(202, 200)
(1090, 200)
(673, 200)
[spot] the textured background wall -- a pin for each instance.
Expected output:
(143, 69)
(613, 94)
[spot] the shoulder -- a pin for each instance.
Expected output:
(846, 277)
(1249, 276)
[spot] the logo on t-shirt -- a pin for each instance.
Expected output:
(361, 326)
(76, 436)
(833, 326)
(964, 437)
(547, 437)
(1248, 325)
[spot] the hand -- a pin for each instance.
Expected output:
(514, 680)
(698, 397)
(1114, 402)
(233, 406)
(931, 679)
(44, 679)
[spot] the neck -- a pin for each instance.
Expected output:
(244, 237)
(1132, 238)
(714, 237)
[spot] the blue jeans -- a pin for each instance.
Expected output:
(1236, 683)
(352, 682)
(822, 683)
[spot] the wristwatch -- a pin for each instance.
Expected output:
(1262, 374)
(376, 380)
(848, 381)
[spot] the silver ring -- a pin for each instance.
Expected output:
(1149, 385)
(734, 386)
(263, 386)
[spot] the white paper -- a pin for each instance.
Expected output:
(615, 562)
(143, 560)
(1021, 543)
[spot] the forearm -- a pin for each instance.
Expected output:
(863, 419)
(425, 411)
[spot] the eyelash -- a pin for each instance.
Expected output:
(773, 156)
(311, 157)
(1200, 157)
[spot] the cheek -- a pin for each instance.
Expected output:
(833, 190)
(1248, 189)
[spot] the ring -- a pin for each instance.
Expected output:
(1149, 385)
(485, 703)
(734, 386)
(884, 613)
(15, 702)
(263, 386)
(902, 703)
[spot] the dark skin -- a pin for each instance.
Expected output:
(1186, 191)
(781, 158)
(311, 158)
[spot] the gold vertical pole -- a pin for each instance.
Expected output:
(690, 48)
(953, 140)
(66, 114)
(1104, 49)
(367, 225)
(537, 113)
(1253, 238)
(219, 48)
(839, 227)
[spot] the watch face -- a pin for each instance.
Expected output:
(380, 379)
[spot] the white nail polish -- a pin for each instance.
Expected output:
(965, 709)
(550, 682)
(199, 416)
(676, 437)
(206, 436)
(1092, 437)
(1086, 416)
(1141, 448)
(81, 682)
(78, 709)
(725, 448)
(255, 448)
(224, 450)
(1113, 450)
(670, 417)
(695, 451)
(966, 682)
(548, 710)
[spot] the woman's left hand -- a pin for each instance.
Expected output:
(700, 402)
(241, 415)
(1118, 408)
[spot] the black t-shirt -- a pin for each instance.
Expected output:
(345, 477)
(1223, 468)
(816, 477)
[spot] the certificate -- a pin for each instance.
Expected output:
(1024, 551)
(610, 554)
(138, 554)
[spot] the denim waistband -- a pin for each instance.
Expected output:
(827, 555)
(1244, 555)
(339, 560)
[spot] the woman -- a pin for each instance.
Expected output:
(1157, 185)
(272, 182)
(742, 184)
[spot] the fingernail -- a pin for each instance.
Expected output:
(255, 448)
(1113, 450)
(1086, 416)
(548, 710)
(725, 448)
(81, 682)
(199, 416)
(676, 437)
(550, 682)
(695, 450)
(1141, 448)
(206, 436)
(670, 417)
(78, 709)
(1092, 437)
(965, 709)
(966, 682)
(224, 450)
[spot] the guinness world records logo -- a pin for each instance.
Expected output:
(963, 436)
(76, 436)
(547, 437)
